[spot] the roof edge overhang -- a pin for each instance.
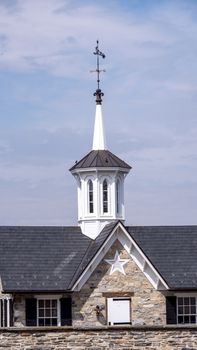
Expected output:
(182, 290)
(119, 232)
(34, 291)
(95, 169)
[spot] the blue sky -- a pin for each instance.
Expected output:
(47, 105)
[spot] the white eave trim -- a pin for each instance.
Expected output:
(119, 232)
(142, 261)
(95, 169)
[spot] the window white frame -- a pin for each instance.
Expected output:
(50, 299)
(186, 309)
(119, 311)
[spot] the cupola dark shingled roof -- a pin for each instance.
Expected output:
(100, 158)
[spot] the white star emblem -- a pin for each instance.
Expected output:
(117, 263)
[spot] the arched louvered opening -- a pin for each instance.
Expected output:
(105, 196)
(90, 197)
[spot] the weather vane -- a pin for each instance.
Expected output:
(98, 70)
(98, 92)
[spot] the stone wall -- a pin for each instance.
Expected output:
(148, 305)
(134, 338)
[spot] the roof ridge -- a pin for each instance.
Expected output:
(76, 276)
(114, 157)
(96, 153)
(80, 161)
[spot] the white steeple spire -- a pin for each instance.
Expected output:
(99, 141)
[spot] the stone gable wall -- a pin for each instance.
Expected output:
(147, 304)
(134, 338)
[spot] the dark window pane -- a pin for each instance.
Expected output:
(91, 196)
(186, 301)
(193, 301)
(180, 301)
(186, 319)
(90, 184)
(54, 313)
(54, 303)
(117, 196)
(105, 207)
(193, 319)
(41, 312)
(40, 303)
(5, 313)
(47, 303)
(186, 310)
(47, 313)
(1, 305)
(180, 319)
(180, 310)
(41, 322)
(47, 321)
(193, 309)
(54, 321)
(105, 185)
(91, 208)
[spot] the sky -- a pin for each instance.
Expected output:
(47, 105)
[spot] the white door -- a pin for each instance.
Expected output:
(119, 311)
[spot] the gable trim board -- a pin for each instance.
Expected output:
(120, 233)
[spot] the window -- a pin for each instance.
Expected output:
(186, 310)
(181, 309)
(118, 196)
(6, 314)
(90, 197)
(119, 311)
(48, 312)
(105, 196)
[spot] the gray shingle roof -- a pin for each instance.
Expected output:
(173, 252)
(40, 258)
(101, 159)
(52, 258)
(93, 249)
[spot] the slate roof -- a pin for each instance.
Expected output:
(101, 159)
(173, 252)
(93, 249)
(40, 258)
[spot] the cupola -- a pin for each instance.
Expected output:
(100, 177)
